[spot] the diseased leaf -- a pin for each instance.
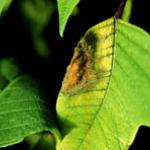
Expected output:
(65, 8)
(23, 107)
(105, 96)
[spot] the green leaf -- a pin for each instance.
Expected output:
(4, 5)
(105, 95)
(23, 107)
(127, 11)
(65, 8)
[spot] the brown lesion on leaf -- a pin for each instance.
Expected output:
(78, 72)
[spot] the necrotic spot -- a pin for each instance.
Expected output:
(91, 39)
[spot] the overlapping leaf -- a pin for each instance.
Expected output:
(105, 95)
(23, 107)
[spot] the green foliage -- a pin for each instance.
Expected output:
(23, 109)
(45, 142)
(38, 13)
(4, 5)
(104, 97)
(103, 107)
(127, 11)
(65, 9)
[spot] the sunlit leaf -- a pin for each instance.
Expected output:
(105, 96)
(23, 106)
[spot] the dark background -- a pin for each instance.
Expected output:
(15, 40)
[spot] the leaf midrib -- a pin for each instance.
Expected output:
(103, 100)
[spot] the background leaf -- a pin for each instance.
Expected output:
(45, 142)
(4, 4)
(105, 94)
(37, 15)
(126, 15)
(23, 109)
(65, 9)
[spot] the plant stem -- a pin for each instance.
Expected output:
(120, 9)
